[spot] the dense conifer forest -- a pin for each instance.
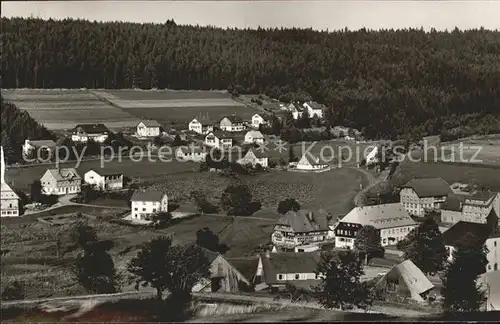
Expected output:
(385, 83)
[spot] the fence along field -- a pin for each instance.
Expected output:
(64, 109)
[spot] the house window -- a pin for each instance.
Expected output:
(297, 276)
(136, 209)
(495, 267)
(144, 209)
(280, 277)
(495, 243)
(384, 241)
(154, 210)
(391, 286)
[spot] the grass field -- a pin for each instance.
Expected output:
(483, 151)
(64, 109)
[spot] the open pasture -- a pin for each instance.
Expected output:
(137, 94)
(483, 151)
(64, 109)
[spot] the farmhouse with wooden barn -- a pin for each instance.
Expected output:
(254, 136)
(310, 163)
(219, 139)
(392, 221)
(104, 180)
(38, 148)
(314, 109)
(300, 231)
(426, 194)
(9, 203)
(61, 182)
(232, 124)
(254, 157)
(90, 132)
(147, 203)
(224, 277)
(148, 128)
(405, 280)
(201, 125)
(275, 270)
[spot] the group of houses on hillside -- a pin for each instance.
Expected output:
(311, 107)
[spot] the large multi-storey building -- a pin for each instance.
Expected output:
(473, 207)
(392, 221)
(421, 195)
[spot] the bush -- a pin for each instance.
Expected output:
(13, 291)
(288, 204)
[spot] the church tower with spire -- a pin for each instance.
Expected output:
(9, 204)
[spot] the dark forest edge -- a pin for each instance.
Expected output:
(388, 84)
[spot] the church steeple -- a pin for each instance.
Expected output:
(3, 165)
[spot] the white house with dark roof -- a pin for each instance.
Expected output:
(491, 282)
(219, 139)
(33, 146)
(9, 203)
(258, 120)
(254, 157)
(300, 228)
(485, 234)
(147, 203)
(82, 133)
(148, 128)
(392, 221)
(314, 109)
(254, 136)
(201, 125)
(104, 180)
(61, 182)
(310, 163)
(275, 270)
(405, 280)
(421, 195)
(232, 124)
(191, 153)
(473, 207)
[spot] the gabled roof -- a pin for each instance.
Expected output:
(482, 195)
(150, 195)
(299, 221)
(456, 234)
(93, 128)
(261, 116)
(454, 202)
(204, 121)
(314, 105)
(254, 134)
(288, 262)
(414, 279)
(259, 154)
(234, 119)
(221, 134)
(103, 173)
(150, 123)
(247, 266)
(380, 216)
(40, 143)
(64, 174)
(429, 187)
(308, 159)
(7, 192)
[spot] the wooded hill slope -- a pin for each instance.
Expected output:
(386, 83)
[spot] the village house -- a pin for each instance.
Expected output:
(275, 270)
(314, 109)
(254, 157)
(148, 128)
(301, 228)
(9, 203)
(485, 234)
(201, 126)
(426, 194)
(104, 180)
(392, 221)
(90, 132)
(405, 280)
(224, 277)
(258, 120)
(35, 148)
(310, 163)
(474, 207)
(232, 124)
(191, 153)
(254, 136)
(61, 182)
(219, 140)
(147, 203)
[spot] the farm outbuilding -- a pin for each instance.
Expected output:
(405, 280)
